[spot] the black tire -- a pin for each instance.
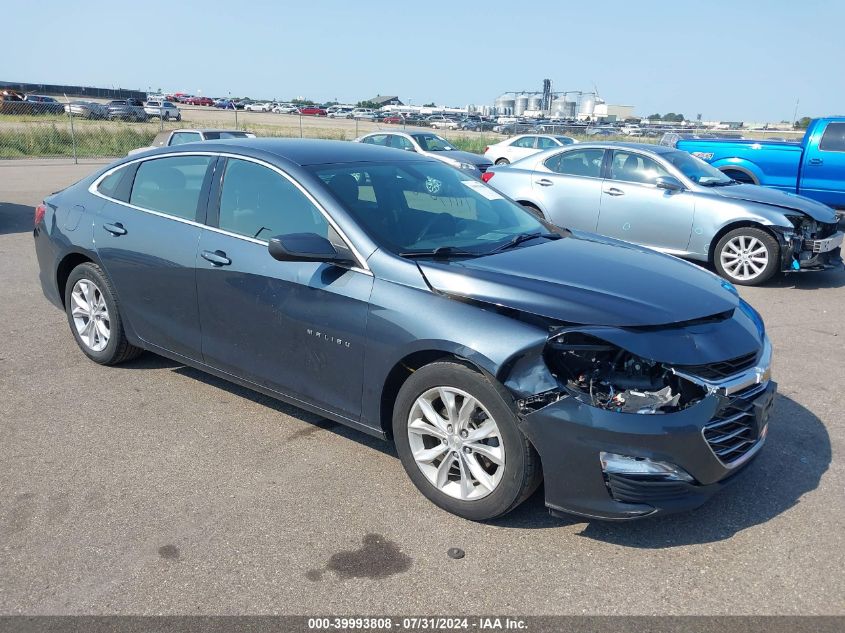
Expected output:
(118, 349)
(503, 161)
(179, 117)
(750, 233)
(533, 210)
(166, 116)
(522, 473)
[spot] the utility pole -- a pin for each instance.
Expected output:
(795, 113)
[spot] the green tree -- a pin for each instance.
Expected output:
(368, 104)
(654, 117)
(803, 123)
(430, 105)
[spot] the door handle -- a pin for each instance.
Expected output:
(613, 191)
(545, 182)
(815, 161)
(217, 258)
(115, 229)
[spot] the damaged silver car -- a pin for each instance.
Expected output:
(671, 201)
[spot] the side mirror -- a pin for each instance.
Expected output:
(303, 247)
(669, 183)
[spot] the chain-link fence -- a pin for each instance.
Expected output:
(41, 126)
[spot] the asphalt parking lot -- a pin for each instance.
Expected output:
(151, 488)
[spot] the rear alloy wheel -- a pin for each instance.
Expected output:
(459, 442)
(503, 161)
(747, 256)
(94, 317)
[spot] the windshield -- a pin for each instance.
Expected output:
(432, 143)
(418, 207)
(565, 140)
(213, 136)
(697, 170)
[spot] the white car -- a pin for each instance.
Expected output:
(259, 107)
(361, 113)
(163, 109)
(335, 112)
(524, 145)
(285, 108)
(443, 123)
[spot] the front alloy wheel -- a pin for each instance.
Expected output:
(747, 256)
(458, 437)
(456, 443)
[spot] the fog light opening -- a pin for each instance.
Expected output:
(641, 467)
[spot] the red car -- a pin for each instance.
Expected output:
(393, 118)
(312, 111)
(200, 101)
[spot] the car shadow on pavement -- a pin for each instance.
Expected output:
(318, 423)
(811, 280)
(16, 218)
(796, 456)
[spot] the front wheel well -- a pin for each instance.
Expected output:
(736, 225)
(397, 377)
(67, 264)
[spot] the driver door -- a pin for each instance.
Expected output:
(634, 209)
(293, 327)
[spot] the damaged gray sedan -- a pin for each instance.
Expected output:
(671, 201)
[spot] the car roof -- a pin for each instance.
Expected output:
(308, 151)
(645, 147)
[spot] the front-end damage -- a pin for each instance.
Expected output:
(633, 421)
(809, 244)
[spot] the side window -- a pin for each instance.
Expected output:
(525, 142)
(631, 167)
(400, 142)
(179, 138)
(585, 162)
(833, 139)
(258, 202)
(378, 139)
(545, 143)
(170, 185)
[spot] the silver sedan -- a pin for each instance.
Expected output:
(673, 202)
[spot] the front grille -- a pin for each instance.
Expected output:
(632, 490)
(733, 430)
(722, 369)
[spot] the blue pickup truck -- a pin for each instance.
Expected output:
(814, 168)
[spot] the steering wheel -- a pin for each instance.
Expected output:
(439, 218)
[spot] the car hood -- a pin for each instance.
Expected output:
(790, 201)
(586, 279)
(463, 157)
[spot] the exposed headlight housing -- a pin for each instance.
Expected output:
(469, 166)
(608, 377)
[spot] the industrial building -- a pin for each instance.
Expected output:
(570, 104)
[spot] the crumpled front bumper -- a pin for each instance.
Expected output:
(800, 255)
(570, 435)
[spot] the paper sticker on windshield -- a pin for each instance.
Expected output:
(483, 189)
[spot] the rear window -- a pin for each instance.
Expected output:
(170, 185)
(833, 139)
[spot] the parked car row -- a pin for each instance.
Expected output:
(494, 348)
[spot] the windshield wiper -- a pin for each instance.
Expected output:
(440, 251)
(516, 240)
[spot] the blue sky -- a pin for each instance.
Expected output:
(729, 60)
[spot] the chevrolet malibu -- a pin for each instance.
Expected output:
(496, 350)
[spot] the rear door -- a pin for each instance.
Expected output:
(146, 237)
(521, 147)
(294, 327)
(635, 210)
(823, 169)
(568, 185)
